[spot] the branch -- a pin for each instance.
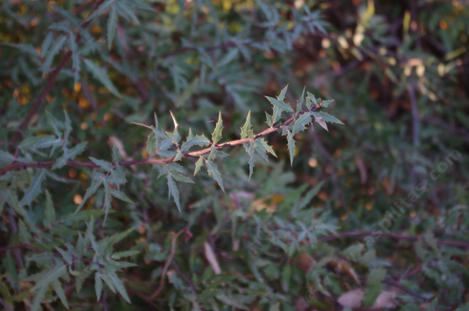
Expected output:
(169, 260)
(52, 77)
(392, 235)
(39, 100)
(17, 165)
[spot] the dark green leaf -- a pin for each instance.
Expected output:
(174, 191)
(213, 172)
(111, 26)
(34, 189)
(100, 74)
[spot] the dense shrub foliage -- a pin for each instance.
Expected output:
(234, 155)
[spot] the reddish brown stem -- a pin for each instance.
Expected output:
(152, 161)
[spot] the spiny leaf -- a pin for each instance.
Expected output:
(282, 94)
(127, 13)
(310, 100)
(51, 275)
(267, 147)
(56, 47)
(250, 151)
(110, 241)
(49, 211)
(5, 158)
(121, 196)
(34, 189)
(213, 172)
(231, 55)
(118, 285)
(217, 132)
(100, 74)
(326, 102)
(197, 140)
(301, 101)
(107, 199)
(101, 9)
(301, 123)
(198, 165)
(58, 289)
(69, 154)
(280, 104)
(173, 191)
(75, 56)
(105, 165)
(291, 146)
(321, 122)
(310, 195)
(96, 181)
(46, 43)
(328, 118)
(111, 26)
(98, 285)
(246, 129)
(42, 142)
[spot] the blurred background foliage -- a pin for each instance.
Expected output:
(365, 218)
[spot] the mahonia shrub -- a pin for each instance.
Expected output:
(131, 130)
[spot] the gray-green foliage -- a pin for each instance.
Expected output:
(99, 213)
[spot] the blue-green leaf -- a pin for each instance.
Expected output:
(301, 101)
(283, 93)
(198, 165)
(279, 104)
(69, 154)
(250, 150)
(105, 165)
(111, 26)
(96, 181)
(34, 189)
(173, 191)
(301, 123)
(267, 147)
(100, 74)
(101, 9)
(56, 47)
(58, 289)
(213, 172)
(121, 196)
(5, 158)
(49, 211)
(98, 285)
(327, 117)
(119, 286)
(197, 140)
(75, 56)
(291, 146)
(42, 142)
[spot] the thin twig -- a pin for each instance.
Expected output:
(169, 260)
(52, 77)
